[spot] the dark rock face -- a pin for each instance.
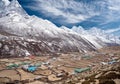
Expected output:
(12, 45)
(18, 47)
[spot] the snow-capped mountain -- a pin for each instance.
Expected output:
(21, 33)
(98, 34)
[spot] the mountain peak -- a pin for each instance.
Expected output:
(15, 3)
(11, 7)
(6, 2)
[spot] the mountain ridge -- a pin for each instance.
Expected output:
(43, 35)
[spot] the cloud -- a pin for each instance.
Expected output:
(69, 10)
(112, 30)
(112, 12)
(114, 5)
(76, 11)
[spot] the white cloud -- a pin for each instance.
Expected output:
(69, 10)
(114, 5)
(112, 30)
(112, 12)
(114, 8)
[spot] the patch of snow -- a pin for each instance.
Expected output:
(6, 2)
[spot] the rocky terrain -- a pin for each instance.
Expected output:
(101, 67)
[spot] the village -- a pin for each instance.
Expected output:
(56, 70)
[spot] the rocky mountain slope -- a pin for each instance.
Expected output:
(21, 34)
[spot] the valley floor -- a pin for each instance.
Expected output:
(100, 67)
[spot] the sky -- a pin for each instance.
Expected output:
(104, 14)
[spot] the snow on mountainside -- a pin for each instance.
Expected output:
(97, 34)
(21, 33)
